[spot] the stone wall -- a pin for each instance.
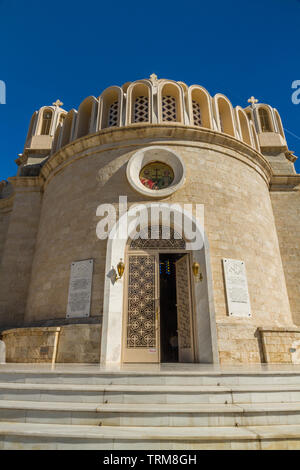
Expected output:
(5, 210)
(17, 258)
(75, 344)
(281, 345)
(238, 344)
(286, 206)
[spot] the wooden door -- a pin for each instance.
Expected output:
(184, 310)
(141, 332)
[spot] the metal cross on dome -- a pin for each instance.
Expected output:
(57, 103)
(252, 100)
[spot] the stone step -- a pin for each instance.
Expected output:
(20, 436)
(102, 377)
(125, 414)
(150, 393)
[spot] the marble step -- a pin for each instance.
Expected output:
(150, 393)
(124, 414)
(102, 377)
(20, 436)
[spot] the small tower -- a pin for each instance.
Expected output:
(271, 136)
(39, 139)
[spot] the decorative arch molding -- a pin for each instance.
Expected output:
(170, 102)
(199, 106)
(32, 126)
(224, 115)
(112, 326)
(87, 117)
(243, 126)
(110, 108)
(254, 136)
(68, 128)
(279, 126)
(139, 103)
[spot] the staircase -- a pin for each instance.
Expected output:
(77, 407)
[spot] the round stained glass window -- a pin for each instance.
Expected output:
(156, 175)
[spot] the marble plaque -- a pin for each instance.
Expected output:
(80, 286)
(238, 301)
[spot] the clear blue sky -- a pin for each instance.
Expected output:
(70, 50)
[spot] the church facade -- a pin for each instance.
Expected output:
(78, 283)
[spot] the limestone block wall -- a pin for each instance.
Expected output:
(5, 210)
(280, 345)
(75, 343)
(286, 207)
(19, 249)
(230, 179)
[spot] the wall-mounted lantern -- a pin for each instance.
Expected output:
(197, 272)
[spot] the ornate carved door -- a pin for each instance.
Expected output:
(141, 333)
(184, 310)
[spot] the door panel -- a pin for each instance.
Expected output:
(141, 341)
(184, 310)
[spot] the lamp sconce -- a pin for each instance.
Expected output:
(197, 272)
(120, 268)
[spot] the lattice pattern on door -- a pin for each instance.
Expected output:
(169, 108)
(183, 306)
(141, 109)
(156, 237)
(113, 114)
(197, 113)
(141, 302)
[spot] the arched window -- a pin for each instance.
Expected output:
(244, 126)
(68, 128)
(225, 116)
(46, 123)
(170, 103)
(199, 107)
(110, 111)
(265, 122)
(86, 117)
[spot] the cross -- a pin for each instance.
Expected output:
(252, 100)
(57, 103)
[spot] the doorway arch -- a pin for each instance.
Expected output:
(206, 350)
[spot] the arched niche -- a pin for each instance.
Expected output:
(265, 118)
(224, 115)
(86, 118)
(244, 126)
(139, 103)
(199, 105)
(110, 108)
(170, 101)
(68, 128)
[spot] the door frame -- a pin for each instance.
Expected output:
(206, 350)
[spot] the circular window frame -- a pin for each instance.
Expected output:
(147, 155)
